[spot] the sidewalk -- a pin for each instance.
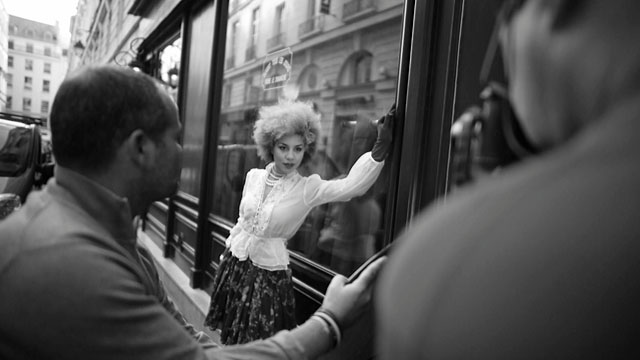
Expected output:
(193, 303)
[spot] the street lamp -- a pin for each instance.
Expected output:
(136, 65)
(78, 48)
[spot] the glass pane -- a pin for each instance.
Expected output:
(484, 137)
(15, 143)
(195, 105)
(345, 62)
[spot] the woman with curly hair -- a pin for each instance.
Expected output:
(252, 294)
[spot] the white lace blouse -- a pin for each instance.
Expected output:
(264, 227)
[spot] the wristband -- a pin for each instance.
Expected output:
(332, 321)
(327, 329)
(331, 315)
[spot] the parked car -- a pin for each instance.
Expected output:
(21, 163)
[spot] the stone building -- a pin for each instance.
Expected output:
(4, 42)
(36, 65)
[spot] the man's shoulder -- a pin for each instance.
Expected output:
(50, 238)
(43, 213)
(44, 221)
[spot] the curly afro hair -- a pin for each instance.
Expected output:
(283, 119)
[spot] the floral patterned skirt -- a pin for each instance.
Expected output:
(249, 303)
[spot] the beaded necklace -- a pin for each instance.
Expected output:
(272, 178)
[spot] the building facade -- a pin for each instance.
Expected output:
(80, 29)
(36, 65)
(99, 30)
(4, 42)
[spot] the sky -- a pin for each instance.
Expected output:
(45, 11)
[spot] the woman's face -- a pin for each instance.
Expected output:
(288, 153)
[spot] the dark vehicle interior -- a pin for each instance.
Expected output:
(22, 164)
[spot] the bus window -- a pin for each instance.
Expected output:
(344, 60)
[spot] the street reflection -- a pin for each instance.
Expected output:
(346, 65)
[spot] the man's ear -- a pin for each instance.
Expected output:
(140, 148)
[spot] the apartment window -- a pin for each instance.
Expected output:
(29, 48)
(28, 64)
(9, 101)
(47, 68)
(9, 78)
(253, 36)
(309, 79)
(230, 62)
(28, 82)
(234, 36)
(251, 92)
(226, 95)
(357, 69)
(278, 20)
(10, 61)
(255, 23)
(277, 40)
(313, 23)
(26, 104)
(47, 51)
(45, 85)
(363, 69)
(44, 107)
(311, 9)
(10, 44)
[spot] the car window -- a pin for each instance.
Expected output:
(14, 150)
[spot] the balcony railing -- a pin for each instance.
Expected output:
(250, 54)
(311, 26)
(357, 7)
(276, 42)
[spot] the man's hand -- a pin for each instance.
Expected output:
(348, 301)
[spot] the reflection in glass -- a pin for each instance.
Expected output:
(194, 106)
(14, 150)
(169, 70)
(344, 63)
(16, 163)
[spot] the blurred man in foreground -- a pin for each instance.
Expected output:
(541, 262)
